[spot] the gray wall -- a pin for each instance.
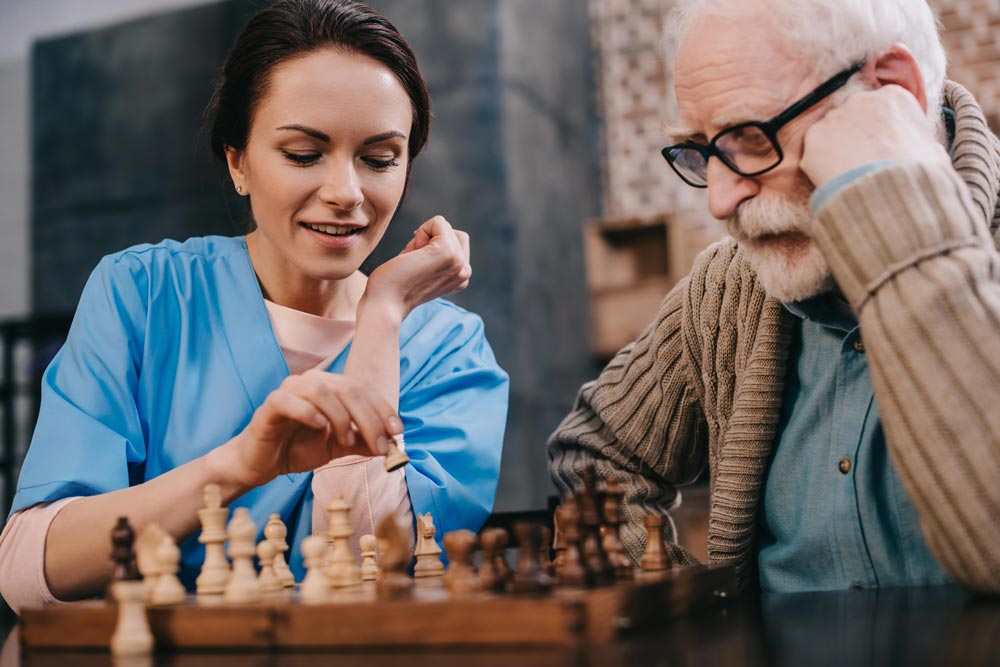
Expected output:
(14, 293)
(512, 159)
(21, 22)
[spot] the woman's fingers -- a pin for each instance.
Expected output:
(351, 406)
(284, 405)
(313, 388)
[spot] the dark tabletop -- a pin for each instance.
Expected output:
(918, 626)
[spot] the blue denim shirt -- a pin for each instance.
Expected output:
(834, 514)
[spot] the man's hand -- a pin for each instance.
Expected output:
(870, 126)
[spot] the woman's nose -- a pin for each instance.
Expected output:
(342, 187)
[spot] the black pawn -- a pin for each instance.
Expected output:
(122, 553)
(529, 577)
(571, 571)
(590, 499)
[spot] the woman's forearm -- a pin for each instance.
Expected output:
(78, 543)
(374, 355)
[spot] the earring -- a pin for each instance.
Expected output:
(239, 189)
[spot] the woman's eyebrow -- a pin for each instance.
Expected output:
(316, 134)
(392, 134)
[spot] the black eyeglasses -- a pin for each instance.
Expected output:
(750, 149)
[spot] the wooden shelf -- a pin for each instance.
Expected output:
(631, 266)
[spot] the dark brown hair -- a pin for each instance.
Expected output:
(291, 28)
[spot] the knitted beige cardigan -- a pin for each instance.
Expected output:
(911, 248)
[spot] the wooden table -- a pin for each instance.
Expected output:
(920, 626)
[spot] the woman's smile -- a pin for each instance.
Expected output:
(333, 237)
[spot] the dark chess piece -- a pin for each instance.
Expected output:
(613, 546)
(122, 552)
(655, 557)
(489, 578)
(590, 499)
(461, 576)
(543, 552)
(571, 572)
(529, 577)
(393, 583)
(504, 572)
(558, 545)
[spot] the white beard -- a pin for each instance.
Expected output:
(769, 229)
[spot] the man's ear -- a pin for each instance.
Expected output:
(234, 160)
(897, 66)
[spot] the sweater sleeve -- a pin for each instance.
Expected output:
(22, 556)
(914, 257)
(640, 422)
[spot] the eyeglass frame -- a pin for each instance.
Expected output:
(770, 128)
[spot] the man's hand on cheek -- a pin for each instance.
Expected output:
(870, 126)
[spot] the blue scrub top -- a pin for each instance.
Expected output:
(170, 353)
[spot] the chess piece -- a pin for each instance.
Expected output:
(613, 546)
(591, 501)
(655, 557)
(122, 552)
(132, 636)
(489, 578)
(369, 565)
(148, 563)
(215, 569)
(461, 575)
(500, 564)
(396, 457)
(544, 559)
(267, 554)
(169, 589)
(315, 586)
(571, 572)
(343, 570)
(558, 545)
(275, 531)
(393, 583)
(428, 552)
(529, 577)
(242, 585)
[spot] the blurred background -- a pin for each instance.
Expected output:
(545, 147)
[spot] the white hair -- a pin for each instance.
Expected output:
(832, 34)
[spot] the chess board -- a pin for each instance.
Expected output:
(431, 618)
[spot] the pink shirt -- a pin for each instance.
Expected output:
(307, 341)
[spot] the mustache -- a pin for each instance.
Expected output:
(769, 214)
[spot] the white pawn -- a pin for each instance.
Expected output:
(276, 532)
(215, 570)
(369, 566)
(242, 585)
(343, 570)
(428, 552)
(132, 636)
(315, 586)
(168, 589)
(267, 554)
(148, 563)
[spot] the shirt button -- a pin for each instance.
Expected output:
(845, 466)
(859, 346)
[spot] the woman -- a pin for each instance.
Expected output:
(206, 361)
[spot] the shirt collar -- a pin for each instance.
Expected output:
(830, 310)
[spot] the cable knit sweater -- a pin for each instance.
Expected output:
(912, 248)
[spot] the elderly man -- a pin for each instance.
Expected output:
(837, 361)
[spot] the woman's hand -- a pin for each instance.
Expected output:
(307, 421)
(435, 262)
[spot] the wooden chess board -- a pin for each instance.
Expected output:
(432, 617)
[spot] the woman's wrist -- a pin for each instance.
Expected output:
(380, 310)
(223, 467)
